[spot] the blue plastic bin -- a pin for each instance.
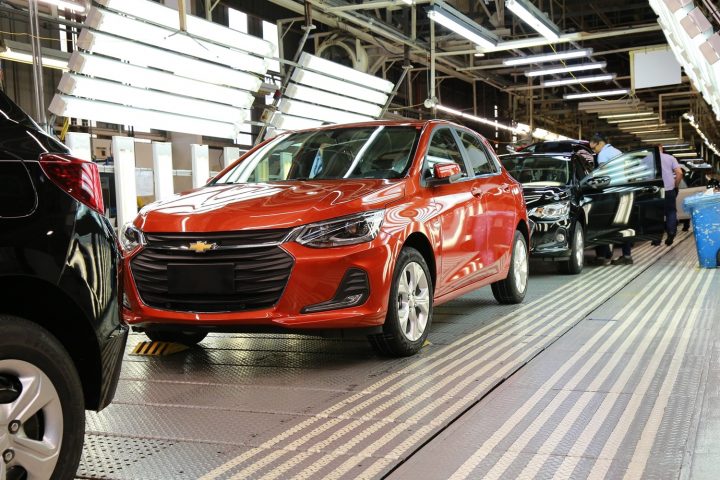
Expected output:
(705, 212)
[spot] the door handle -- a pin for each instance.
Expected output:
(652, 189)
(476, 191)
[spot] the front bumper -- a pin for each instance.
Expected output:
(550, 238)
(314, 279)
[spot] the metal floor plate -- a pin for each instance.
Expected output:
(286, 406)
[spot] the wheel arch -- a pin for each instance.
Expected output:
(522, 226)
(57, 312)
(420, 242)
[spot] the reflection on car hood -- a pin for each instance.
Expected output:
(266, 205)
(538, 196)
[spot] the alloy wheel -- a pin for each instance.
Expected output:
(31, 422)
(520, 265)
(579, 246)
(413, 301)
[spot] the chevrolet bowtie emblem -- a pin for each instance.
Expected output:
(202, 247)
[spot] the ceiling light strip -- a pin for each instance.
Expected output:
(603, 93)
(627, 115)
(573, 81)
(530, 14)
(631, 120)
(569, 68)
(453, 20)
(550, 57)
(691, 118)
(519, 129)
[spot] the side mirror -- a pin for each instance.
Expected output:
(445, 173)
(595, 183)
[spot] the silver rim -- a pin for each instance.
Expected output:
(413, 301)
(579, 246)
(520, 265)
(37, 457)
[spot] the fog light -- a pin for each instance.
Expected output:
(354, 290)
(560, 237)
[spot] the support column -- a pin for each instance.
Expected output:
(162, 170)
(123, 151)
(230, 154)
(79, 145)
(200, 156)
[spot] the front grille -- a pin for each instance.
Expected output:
(260, 273)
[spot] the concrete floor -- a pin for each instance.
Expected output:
(611, 373)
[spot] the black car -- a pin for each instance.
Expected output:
(573, 207)
(61, 339)
(557, 146)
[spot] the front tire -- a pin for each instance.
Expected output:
(42, 401)
(410, 307)
(512, 289)
(574, 264)
(184, 338)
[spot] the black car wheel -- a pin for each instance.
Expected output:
(41, 402)
(512, 289)
(183, 338)
(409, 309)
(574, 264)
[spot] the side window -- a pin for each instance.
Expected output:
(632, 167)
(581, 168)
(17, 195)
(443, 149)
(478, 157)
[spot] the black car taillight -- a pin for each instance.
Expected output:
(79, 178)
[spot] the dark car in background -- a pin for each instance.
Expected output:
(61, 340)
(573, 207)
(557, 146)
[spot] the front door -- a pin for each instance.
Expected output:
(623, 199)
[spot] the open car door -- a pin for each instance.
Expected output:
(623, 199)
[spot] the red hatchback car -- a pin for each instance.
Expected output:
(363, 226)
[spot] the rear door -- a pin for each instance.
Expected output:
(623, 199)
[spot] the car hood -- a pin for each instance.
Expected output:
(266, 205)
(538, 196)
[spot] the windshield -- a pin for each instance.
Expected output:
(546, 171)
(359, 152)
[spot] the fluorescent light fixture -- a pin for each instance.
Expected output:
(323, 82)
(66, 106)
(450, 18)
(631, 120)
(655, 140)
(534, 17)
(603, 93)
(290, 122)
(644, 132)
(685, 155)
(550, 57)
(310, 95)
(573, 81)
(148, 56)
(569, 68)
(67, 5)
(198, 27)
(316, 112)
(109, 22)
(95, 89)
(627, 115)
(545, 135)
(320, 65)
(22, 53)
(677, 145)
(519, 129)
(101, 67)
(691, 118)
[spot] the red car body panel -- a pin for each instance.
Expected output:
(469, 225)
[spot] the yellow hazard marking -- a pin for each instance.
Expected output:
(427, 342)
(158, 349)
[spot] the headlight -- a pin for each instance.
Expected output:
(553, 210)
(130, 237)
(341, 231)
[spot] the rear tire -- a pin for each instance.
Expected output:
(512, 289)
(410, 308)
(574, 264)
(56, 413)
(184, 338)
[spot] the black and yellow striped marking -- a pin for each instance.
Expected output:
(158, 349)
